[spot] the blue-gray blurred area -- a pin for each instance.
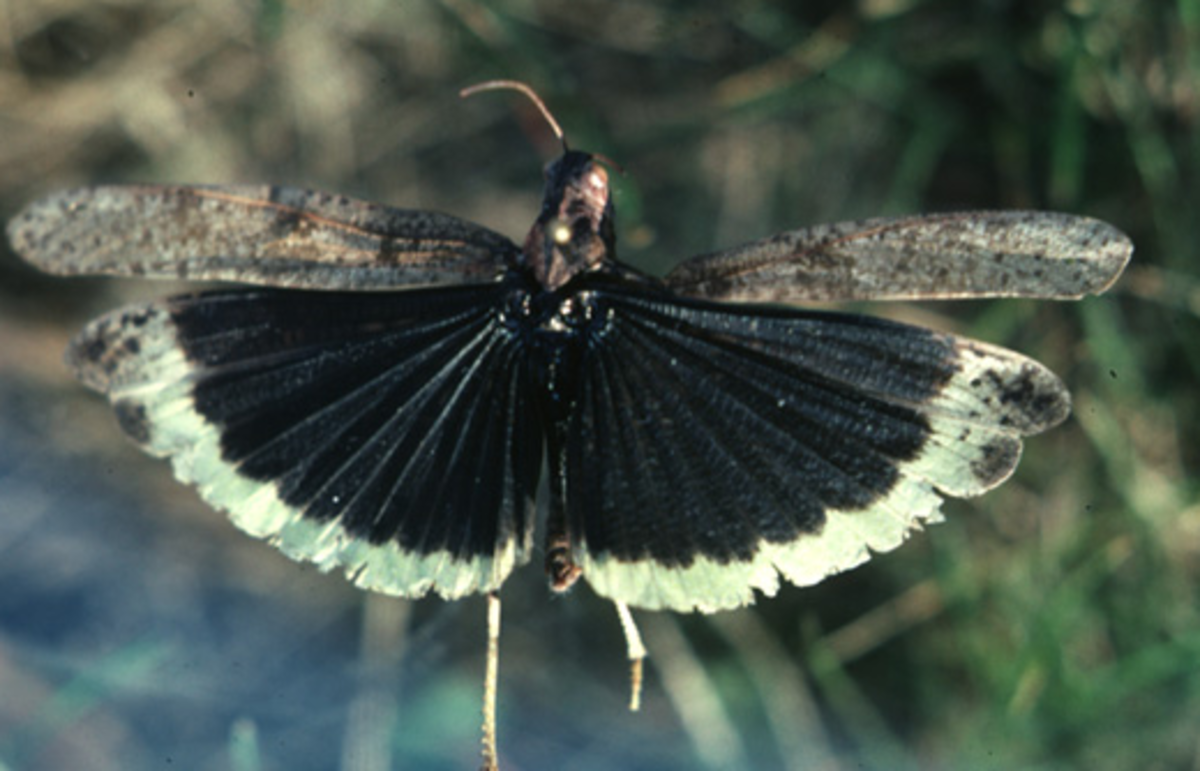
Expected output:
(1052, 623)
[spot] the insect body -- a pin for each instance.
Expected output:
(387, 393)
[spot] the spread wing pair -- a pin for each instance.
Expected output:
(397, 422)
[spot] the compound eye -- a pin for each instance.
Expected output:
(597, 179)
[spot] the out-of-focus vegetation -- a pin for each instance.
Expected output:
(1051, 624)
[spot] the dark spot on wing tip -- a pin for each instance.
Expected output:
(97, 353)
(1028, 401)
(132, 418)
(88, 349)
(1043, 402)
(996, 462)
(89, 357)
(1050, 408)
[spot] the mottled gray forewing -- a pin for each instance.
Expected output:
(266, 235)
(941, 256)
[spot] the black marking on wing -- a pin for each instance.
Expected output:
(703, 429)
(404, 416)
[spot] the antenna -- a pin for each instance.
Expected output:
(516, 85)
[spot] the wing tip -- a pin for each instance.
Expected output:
(997, 461)
(1017, 394)
(88, 355)
(103, 352)
(1097, 250)
(1113, 255)
(26, 237)
(39, 232)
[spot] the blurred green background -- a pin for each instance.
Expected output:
(1050, 624)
